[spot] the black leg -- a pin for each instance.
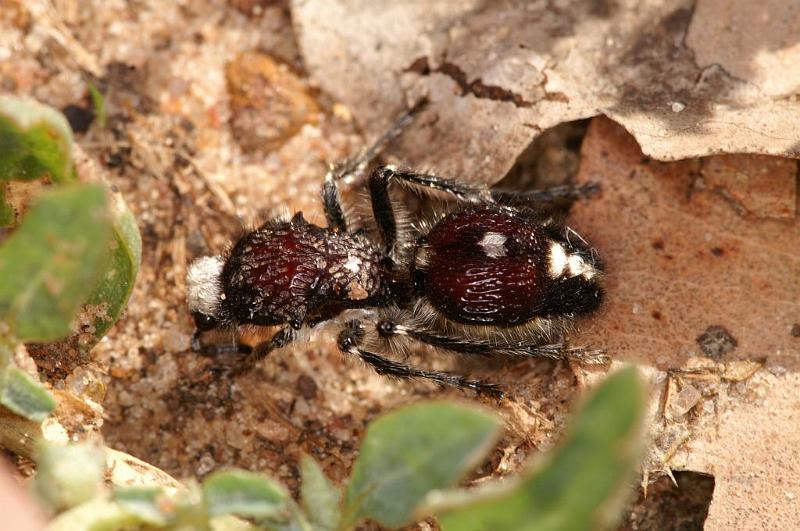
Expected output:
(235, 358)
(332, 204)
(355, 167)
(548, 195)
(471, 193)
(279, 339)
(350, 340)
(384, 214)
(382, 208)
(483, 347)
(218, 349)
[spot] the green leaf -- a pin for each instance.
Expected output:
(410, 452)
(35, 141)
(244, 494)
(189, 507)
(23, 395)
(6, 351)
(320, 498)
(95, 515)
(143, 502)
(69, 475)
(112, 292)
(578, 486)
(231, 523)
(99, 103)
(49, 265)
(6, 212)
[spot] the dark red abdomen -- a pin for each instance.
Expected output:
(483, 266)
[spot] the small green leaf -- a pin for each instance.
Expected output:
(410, 452)
(189, 507)
(112, 292)
(99, 103)
(231, 523)
(95, 515)
(244, 494)
(35, 141)
(49, 265)
(143, 502)
(23, 395)
(6, 212)
(6, 350)
(69, 475)
(578, 486)
(320, 498)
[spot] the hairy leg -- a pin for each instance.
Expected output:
(356, 166)
(567, 192)
(483, 347)
(350, 341)
(236, 358)
(383, 211)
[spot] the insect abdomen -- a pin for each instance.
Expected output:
(485, 266)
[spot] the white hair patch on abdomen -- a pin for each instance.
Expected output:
(493, 244)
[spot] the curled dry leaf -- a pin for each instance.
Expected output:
(676, 73)
(683, 258)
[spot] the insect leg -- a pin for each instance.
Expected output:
(351, 338)
(245, 356)
(568, 192)
(355, 167)
(483, 347)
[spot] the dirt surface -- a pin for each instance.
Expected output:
(702, 278)
(680, 505)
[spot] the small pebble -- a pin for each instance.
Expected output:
(272, 431)
(301, 408)
(174, 341)
(205, 465)
(685, 400)
(306, 386)
(716, 341)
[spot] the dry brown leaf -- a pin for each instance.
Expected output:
(498, 73)
(680, 257)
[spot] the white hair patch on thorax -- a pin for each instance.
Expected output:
(203, 285)
(558, 260)
(353, 264)
(493, 244)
